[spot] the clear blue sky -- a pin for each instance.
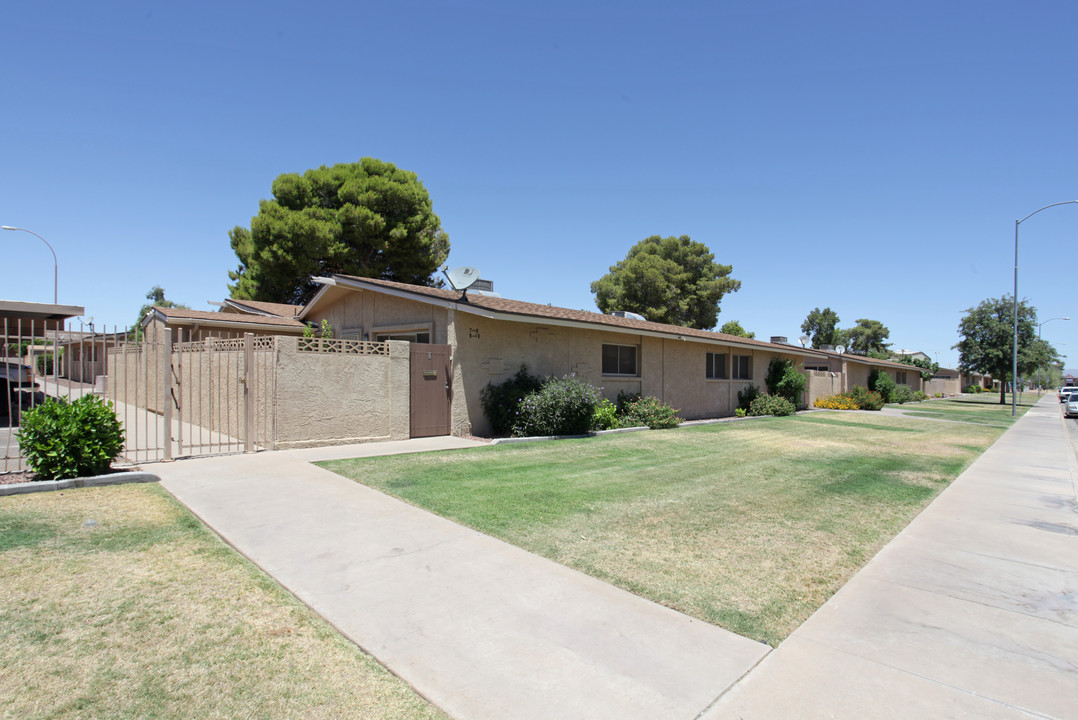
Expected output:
(868, 156)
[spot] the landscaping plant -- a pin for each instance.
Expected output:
(500, 402)
(784, 380)
(562, 406)
(772, 405)
(649, 411)
(746, 396)
(62, 439)
(882, 383)
(605, 417)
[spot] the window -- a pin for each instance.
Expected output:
(620, 360)
(418, 336)
(900, 377)
(742, 367)
(716, 366)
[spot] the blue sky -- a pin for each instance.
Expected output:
(871, 157)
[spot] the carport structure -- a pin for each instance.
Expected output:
(25, 325)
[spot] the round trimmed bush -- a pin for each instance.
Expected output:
(563, 406)
(772, 405)
(649, 411)
(62, 439)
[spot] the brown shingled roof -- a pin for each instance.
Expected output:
(283, 310)
(174, 315)
(551, 312)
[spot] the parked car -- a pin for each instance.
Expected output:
(1065, 391)
(1070, 408)
(14, 376)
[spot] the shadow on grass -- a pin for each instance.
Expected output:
(816, 420)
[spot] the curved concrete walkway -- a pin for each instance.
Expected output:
(479, 627)
(972, 611)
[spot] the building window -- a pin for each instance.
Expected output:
(742, 367)
(716, 366)
(900, 377)
(419, 336)
(620, 360)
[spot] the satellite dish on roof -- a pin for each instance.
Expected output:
(462, 278)
(840, 349)
(804, 340)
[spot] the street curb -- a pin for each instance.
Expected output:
(119, 478)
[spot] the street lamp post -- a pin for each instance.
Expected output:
(55, 264)
(1039, 326)
(1014, 347)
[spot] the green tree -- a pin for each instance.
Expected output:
(867, 335)
(987, 342)
(156, 296)
(822, 326)
(670, 280)
(733, 327)
(368, 218)
(927, 367)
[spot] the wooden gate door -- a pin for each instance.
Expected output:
(431, 381)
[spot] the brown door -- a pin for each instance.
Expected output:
(430, 390)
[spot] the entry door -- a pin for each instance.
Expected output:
(430, 390)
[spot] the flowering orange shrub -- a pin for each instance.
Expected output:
(836, 402)
(857, 399)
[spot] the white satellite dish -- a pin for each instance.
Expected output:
(840, 349)
(462, 278)
(804, 340)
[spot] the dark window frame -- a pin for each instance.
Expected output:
(710, 370)
(624, 356)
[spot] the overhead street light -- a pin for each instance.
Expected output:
(1039, 326)
(55, 264)
(1014, 347)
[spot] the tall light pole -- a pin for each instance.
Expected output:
(55, 264)
(1039, 326)
(1014, 348)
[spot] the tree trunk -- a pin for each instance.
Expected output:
(1003, 392)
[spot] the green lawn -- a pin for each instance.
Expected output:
(116, 602)
(749, 525)
(984, 408)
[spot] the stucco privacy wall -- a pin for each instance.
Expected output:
(338, 397)
(307, 392)
(822, 383)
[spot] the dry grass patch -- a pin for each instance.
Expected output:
(115, 602)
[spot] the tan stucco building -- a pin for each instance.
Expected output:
(696, 371)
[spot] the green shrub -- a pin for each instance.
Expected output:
(500, 402)
(784, 380)
(605, 417)
(866, 399)
(882, 383)
(625, 399)
(902, 394)
(649, 411)
(739, 412)
(919, 396)
(973, 389)
(562, 406)
(66, 440)
(772, 405)
(746, 396)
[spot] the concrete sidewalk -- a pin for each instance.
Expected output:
(480, 628)
(972, 611)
